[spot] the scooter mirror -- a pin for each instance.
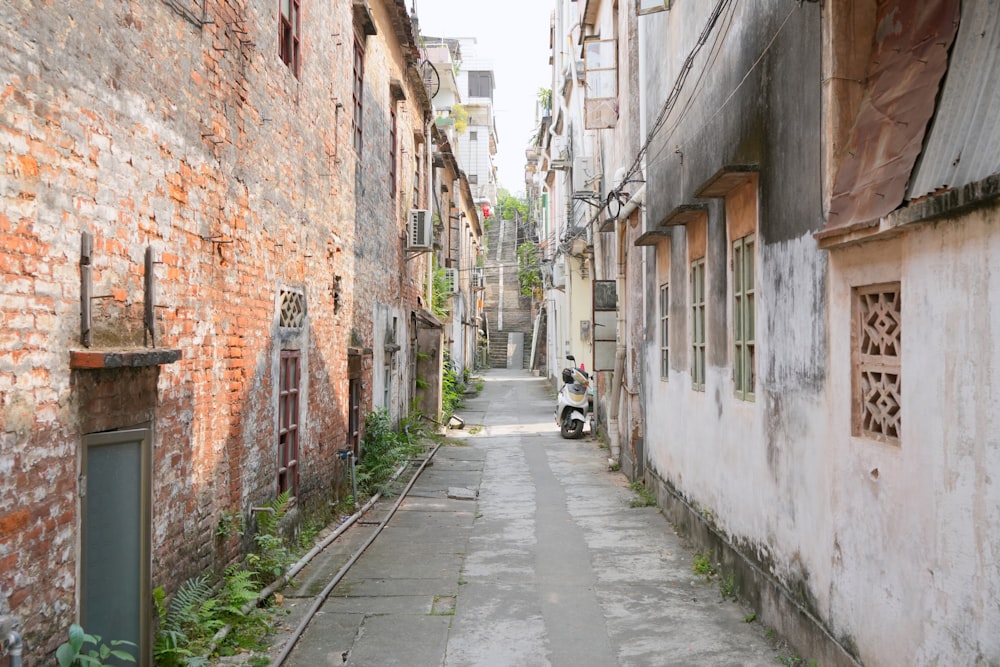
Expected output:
(571, 357)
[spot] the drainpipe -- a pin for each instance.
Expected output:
(618, 379)
(10, 640)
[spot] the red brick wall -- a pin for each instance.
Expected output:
(133, 123)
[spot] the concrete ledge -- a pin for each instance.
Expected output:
(775, 604)
(96, 359)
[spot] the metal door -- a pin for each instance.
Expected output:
(115, 537)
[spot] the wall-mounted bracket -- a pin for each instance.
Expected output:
(86, 287)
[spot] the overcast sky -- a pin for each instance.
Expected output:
(514, 36)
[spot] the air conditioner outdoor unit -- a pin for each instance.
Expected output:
(420, 230)
(451, 279)
(559, 273)
(585, 176)
(478, 279)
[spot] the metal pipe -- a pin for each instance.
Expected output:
(618, 378)
(354, 478)
(15, 647)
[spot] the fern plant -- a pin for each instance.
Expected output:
(240, 589)
(383, 448)
(273, 555)
(185, 624)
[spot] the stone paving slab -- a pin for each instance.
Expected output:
(326, 641)
(418, 564)
(549, 566)
(394, 586)
(400, 640)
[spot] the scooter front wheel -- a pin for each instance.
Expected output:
(571, 428)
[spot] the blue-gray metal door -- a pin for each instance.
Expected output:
(115, 539)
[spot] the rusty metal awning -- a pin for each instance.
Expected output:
(908, 61)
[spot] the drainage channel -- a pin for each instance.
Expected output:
(325, 593)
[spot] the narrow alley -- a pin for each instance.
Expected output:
(555, 563)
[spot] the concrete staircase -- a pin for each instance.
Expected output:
(502, 300)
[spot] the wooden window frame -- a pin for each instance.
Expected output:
(698, 335)
(393, 162)
(289, 378)
(289, 42)
(357, 97)
(601, 85)
(744, 316)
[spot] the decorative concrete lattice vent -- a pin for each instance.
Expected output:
(291, 308)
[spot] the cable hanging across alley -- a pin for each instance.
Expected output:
(665, 111)
(658, 124)
(739, 85)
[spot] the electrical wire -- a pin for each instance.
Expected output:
(661, 117)
(665, 111)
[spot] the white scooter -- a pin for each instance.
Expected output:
(575, 403)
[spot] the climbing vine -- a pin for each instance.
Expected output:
(528, 275)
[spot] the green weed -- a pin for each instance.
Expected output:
(727, 587)
(644, 497)
(382, 450)
(75, 651)
(702, 564)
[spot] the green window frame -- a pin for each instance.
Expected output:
(664, 331)
(744, 317)
(698, 324)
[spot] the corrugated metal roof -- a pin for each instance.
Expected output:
(908, 62)
(963, 145)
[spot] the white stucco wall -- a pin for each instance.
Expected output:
(916, 546)
(718, 450)
(902, 562)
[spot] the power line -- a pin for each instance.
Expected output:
(661, 117)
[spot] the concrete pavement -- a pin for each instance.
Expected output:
(550, 566)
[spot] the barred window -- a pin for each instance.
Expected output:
(392, 150)
(877, 373)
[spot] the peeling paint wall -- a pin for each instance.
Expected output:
(888, 546)
(755, 470)
(915, 525)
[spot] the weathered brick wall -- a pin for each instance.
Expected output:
(147, 128)
(386, 284)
